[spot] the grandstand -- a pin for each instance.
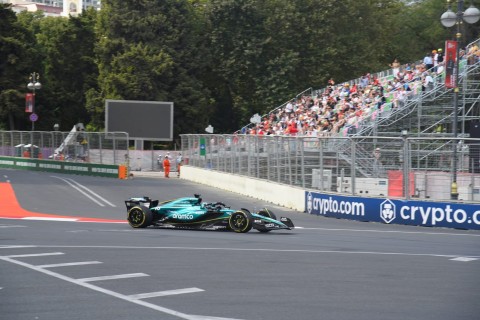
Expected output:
(421, 114)
(391, 135)
(432, 110)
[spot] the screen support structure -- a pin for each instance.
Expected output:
(139, 144)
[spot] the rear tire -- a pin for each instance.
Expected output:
(139, 217)
(240, 221)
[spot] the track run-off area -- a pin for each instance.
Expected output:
(66, 252)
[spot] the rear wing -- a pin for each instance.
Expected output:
(145, 201)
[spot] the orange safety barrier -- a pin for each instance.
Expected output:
(395, 183)
(122, 172)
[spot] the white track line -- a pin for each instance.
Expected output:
(15, 247)
(164, 293)
(113, 293)
(34, 255)
(49, 219)
(267, 250)
(81, 191)
(68, 264)
(114, 277)
(464, 259)
(394, 231)
(12, 226)
(92, 192)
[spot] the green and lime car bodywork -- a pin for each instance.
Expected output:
(192, 213)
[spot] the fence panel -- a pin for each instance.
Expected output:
(74, 146)
(396, 167)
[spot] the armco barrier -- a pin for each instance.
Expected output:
(391, 211)
(91, 169)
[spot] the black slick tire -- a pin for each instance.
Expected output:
(139, 217)
(240, 221)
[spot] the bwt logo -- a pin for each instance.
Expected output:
(387, 211)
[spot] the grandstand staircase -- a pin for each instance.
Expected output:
(428, 114)
(424, 115)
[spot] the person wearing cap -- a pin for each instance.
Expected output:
(439, 55)
(439, 65)
(166, 167)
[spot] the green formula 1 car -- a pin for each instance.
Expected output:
(192, 213)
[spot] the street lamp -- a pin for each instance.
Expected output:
(56, 127)
(33, 85)
(406, 164)
(449, 19)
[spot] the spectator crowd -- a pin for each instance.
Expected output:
(341, 108)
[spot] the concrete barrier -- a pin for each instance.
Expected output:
(91, 169)
(283, 195)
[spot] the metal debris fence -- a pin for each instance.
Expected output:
(73, 146)
(406, 167)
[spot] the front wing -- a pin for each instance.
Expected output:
(261, 223)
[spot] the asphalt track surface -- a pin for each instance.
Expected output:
(67, 253)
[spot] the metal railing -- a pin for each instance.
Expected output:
(402, 167)
(74, 146)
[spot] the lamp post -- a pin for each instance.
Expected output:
(449, 19)
(33, 85)
(56, 128)
(406, 164)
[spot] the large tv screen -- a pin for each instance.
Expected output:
(145, 120)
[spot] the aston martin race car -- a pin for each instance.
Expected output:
(192, 213)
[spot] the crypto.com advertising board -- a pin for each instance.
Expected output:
(418, 213)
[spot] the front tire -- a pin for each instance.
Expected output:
(139, 217)
(240, 221)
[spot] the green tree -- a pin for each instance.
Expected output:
(268, 51)
(17, 55)
(418, 29)
(152, 50)
(219, 61)
(254, 72)
(69, 68)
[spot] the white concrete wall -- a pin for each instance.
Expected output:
(283, 195)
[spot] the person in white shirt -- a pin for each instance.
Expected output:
(427, 83)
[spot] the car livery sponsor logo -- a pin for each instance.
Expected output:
(390, 211)
(327, 204)
(433, 215)
(182, 216)
(387, 211)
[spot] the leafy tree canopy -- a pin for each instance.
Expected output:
(219, 61)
